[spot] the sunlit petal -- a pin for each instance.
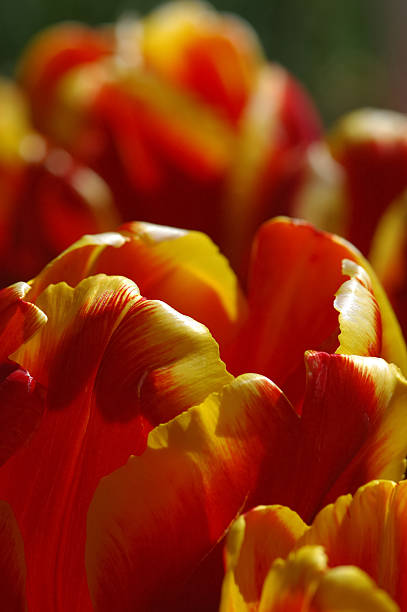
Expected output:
(181, 494)
(114, 365)
(303, 583)
(254, 542)
(182, 268)
(19, 319)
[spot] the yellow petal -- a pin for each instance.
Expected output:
(303, 583)
(359, 314)
(254, 542)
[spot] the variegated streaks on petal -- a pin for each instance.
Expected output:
(12, 562)
(359, 314)
(342, 439)
(354, 428)
(114, 365)
(19, 319)
(182, 268)
(182, 493)
(75, 263)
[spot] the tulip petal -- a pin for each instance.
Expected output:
(303, 583)
(50, 55)
(370, 531)
(22, 403)
(278, 124)
(213, 55)
(181, 495)
(388, 256)
(254, 542)
(359, 318)
(114, 364)
(183, 269)
(344, 437)
(371, 145)
(296, 271)
(19, 319)
(12, 563)
(354, 428)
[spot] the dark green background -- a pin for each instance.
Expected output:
(349, 53)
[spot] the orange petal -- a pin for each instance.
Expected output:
(19, 319)
(181, 495)
(12, 563)
(183, 269)
(296, 271)
(114, 364)
(303, 583)
(370, 531)
(254, 542)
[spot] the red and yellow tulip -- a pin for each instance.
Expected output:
(156, 409)
(181, 115)
(113, 366)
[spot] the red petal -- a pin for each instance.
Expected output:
(12, 563)
(114, 364)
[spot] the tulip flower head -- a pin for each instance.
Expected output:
(115, 366)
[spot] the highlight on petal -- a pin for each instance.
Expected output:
(182, 268)
(370, 531)
(19, 319)
(12, 562)
(114, 365)
(304, 583)
(255, 540)
(359, 314)
(181, 494)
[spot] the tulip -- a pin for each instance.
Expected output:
(116, 366)
(371, 146)
(356, 188)
(182, 116)
(365, 532)
(42, 187)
